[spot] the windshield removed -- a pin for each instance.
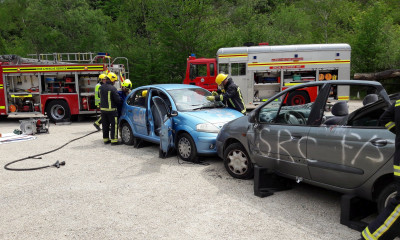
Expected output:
(193, 99)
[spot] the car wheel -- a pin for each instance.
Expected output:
(186, 147)
(126, 134)
(58, 110)
(237, 162)
(385, 196)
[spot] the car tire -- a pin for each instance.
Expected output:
(384, 197)
(58, 110)
(298, 98)
(186, 147)
(126, 134)
(237, 162)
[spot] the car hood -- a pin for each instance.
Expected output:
(216, 115)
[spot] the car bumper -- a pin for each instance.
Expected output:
(206, 143)
(220, 148)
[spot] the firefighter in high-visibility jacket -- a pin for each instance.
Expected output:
(229, 93)
(109, 100)
(102, 78)
(387, 225)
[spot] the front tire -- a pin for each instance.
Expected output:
(126, 134)
(186, 147)
(58, 110)
(237, 162)
(384, 197)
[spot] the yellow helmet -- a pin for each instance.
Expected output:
(112, 76)
(220, 78)
(144, 93)
(127, 83)
(102, 76)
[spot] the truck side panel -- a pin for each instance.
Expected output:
(3, 109)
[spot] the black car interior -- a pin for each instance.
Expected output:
(339, 110)
(159, 106)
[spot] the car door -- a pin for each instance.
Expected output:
(349, 153)
(166, 138)
(136, 110)
(278, 139)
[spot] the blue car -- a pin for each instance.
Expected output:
(178, 114)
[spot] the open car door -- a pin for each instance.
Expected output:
(166, 138)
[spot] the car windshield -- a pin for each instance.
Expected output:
(190, 99)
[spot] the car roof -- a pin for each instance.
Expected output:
(171, 86)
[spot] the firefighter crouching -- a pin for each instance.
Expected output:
(102, 80)
(229, 93)
(387, 225)
(109, 100)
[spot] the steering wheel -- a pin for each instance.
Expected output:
(298, 116)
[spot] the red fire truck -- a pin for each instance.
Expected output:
(60, 85)
(262, 71)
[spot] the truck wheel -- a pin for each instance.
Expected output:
(58, 110)
(385, 196)
(237, 162)
(186, 147)
(298, 98)
(126, 134)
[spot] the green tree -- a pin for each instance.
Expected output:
(64, 26)
(12, 24)
(375, 44)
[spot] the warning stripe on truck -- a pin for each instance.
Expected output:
(298, 63)
(232, 55)
(52, 68)
(343, 98)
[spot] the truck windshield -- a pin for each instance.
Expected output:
(191, 99)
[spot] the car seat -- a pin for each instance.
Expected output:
(159, 110)
(370, 98)
(339, 110)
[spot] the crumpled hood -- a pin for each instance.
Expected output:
(216, 115)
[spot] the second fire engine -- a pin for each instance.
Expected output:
(262, 71)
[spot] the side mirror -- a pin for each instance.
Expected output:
(173, 113)
(252, 117)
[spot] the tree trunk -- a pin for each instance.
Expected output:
(393, 73)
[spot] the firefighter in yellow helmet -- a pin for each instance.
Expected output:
(229, 93)
(126, 87)
(109, 100)
(102, 77)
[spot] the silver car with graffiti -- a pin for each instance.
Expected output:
(335, 142)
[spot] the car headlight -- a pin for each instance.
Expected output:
(207, 127)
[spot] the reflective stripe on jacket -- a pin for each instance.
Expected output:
(97, 95)
(232, 96)
(109, 98)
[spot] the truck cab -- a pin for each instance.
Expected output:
(201, 72)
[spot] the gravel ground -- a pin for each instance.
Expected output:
(119, 192)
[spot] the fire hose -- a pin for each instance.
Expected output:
(57, 164)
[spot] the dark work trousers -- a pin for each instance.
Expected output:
(387, 225)
(110, 124)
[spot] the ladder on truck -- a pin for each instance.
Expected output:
(70, 58)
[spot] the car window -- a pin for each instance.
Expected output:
(163, 96)
(361, 108)
(191, 99)
(280, 111)
(138, 98)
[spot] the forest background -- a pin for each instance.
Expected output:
(157, 36)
